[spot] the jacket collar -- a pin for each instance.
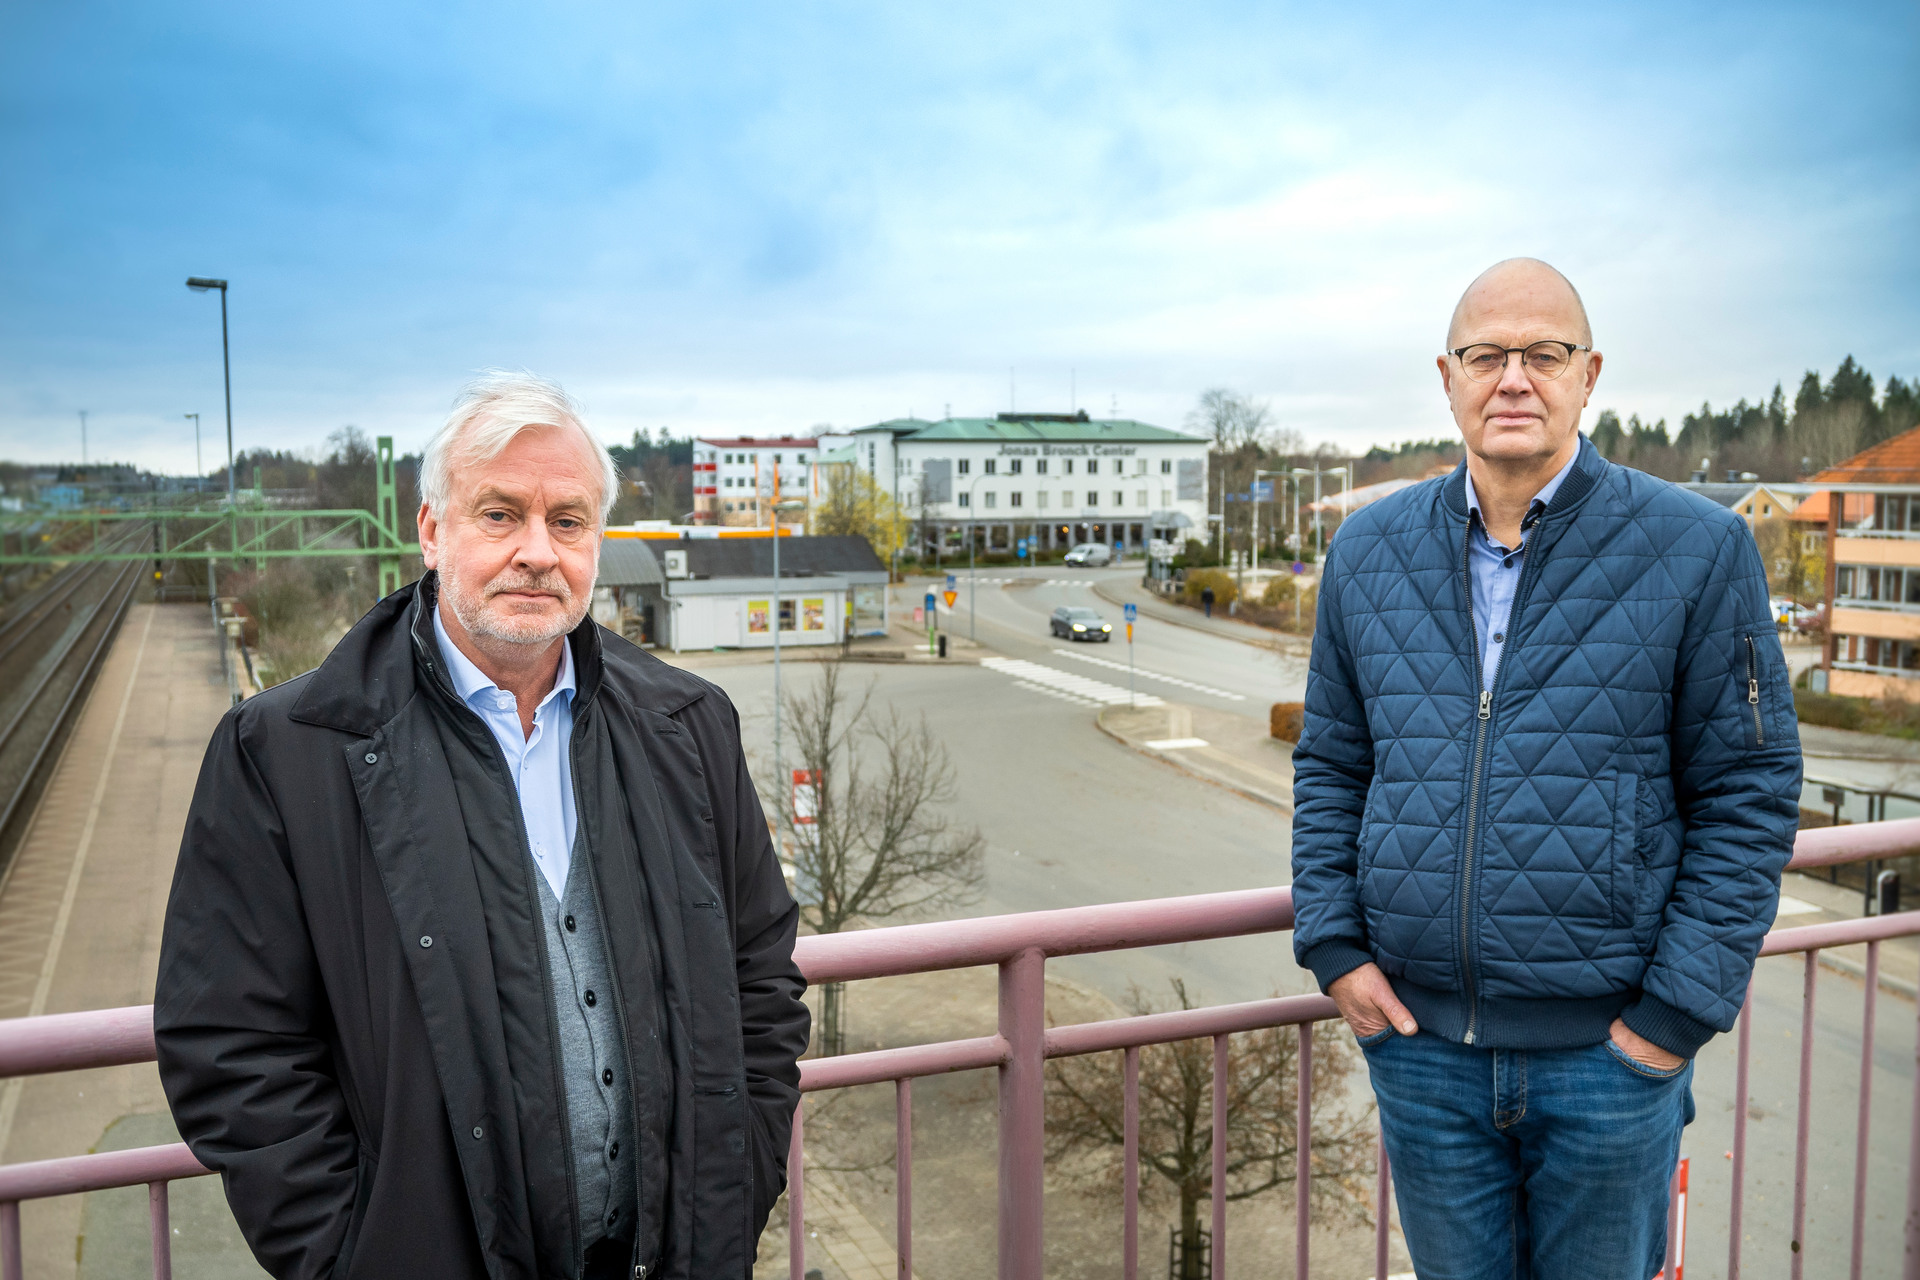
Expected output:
(1588, 466)
(391, 654)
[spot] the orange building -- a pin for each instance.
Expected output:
(1869, 510)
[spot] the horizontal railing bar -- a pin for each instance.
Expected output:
(1113, 926)
(1840, 933)
(71, 1175)
(1186, 1024)
(1855, 842)
(74, 1041)
(914, 1061)
(114, 1037)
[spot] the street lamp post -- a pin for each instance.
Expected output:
(973, 584)
(780, 779)
(199, 470)
(200, 284)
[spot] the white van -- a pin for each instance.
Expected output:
(1090, 555)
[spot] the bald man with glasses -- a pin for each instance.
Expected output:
(1544, 793)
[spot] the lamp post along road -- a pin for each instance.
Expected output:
(779, 771)
(200, 284)
(199, 470)
(973, 583)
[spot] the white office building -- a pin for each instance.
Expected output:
(1055, 479)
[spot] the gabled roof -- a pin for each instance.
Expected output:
(800, 557)
(1895, 461)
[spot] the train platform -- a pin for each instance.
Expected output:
(80, 914)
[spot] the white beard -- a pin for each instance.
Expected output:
(527, 629)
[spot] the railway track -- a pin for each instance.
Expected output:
(52, 645)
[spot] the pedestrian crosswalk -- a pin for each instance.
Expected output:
(962, 580)
(1066, 685)
(1144, 674)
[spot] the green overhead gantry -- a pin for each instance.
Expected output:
(231, 534)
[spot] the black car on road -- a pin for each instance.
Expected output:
(1080, 624)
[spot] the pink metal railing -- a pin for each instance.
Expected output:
(1020, 945)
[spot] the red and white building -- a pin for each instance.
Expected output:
(737, 481)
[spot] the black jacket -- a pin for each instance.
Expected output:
(349, 1079)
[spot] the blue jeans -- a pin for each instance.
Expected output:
(1532, 1164)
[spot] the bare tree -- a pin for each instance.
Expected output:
(878, 843)
(1085, 1122)
(1232, 421)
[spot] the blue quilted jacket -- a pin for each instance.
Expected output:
(1602, 834)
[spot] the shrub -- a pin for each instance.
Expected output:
(1224, 589)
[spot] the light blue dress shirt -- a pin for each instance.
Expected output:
(540, 763)
(1496, 572)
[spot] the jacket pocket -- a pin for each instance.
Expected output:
(1628, 871)
(363, 1175)
(1369, 840)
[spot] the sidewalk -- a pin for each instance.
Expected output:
(1124, 591)
(1228, 750)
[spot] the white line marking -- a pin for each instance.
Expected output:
(1066, 683)
(1175, 744)
(1152, 675)
(1791, 906)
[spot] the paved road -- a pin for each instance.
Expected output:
(1072, 817)
(1013, 607)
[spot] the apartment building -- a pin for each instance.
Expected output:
(1870, 508)
(737, 481)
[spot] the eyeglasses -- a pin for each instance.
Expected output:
(1484, 361)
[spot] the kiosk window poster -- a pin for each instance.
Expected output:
(813, 614)
(758, 613)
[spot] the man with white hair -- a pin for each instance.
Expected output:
(479, 961)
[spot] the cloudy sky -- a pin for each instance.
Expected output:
(755, 218)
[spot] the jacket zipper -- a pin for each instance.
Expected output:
(1481, 724)
(1753, 694)
(1483, 733)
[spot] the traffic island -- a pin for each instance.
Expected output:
(1228, 750)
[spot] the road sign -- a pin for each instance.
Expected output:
(1129, 636)
(951, 596)
(1261, 492)
(1020, 548)
(806, 796)
(1132, 611)
(952, 583)
(929, 608)
(1299, 567)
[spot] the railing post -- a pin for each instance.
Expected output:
(1023, 1024)
(1130, 1166)
(903, 1176)
(10, 1240)
(1384, 1208)
(1737, 1196)
(1862, 1132)
(159, 1223)
(1217, 1257)
(1911, 1271)
(1796, 1265)
(797, 1197)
